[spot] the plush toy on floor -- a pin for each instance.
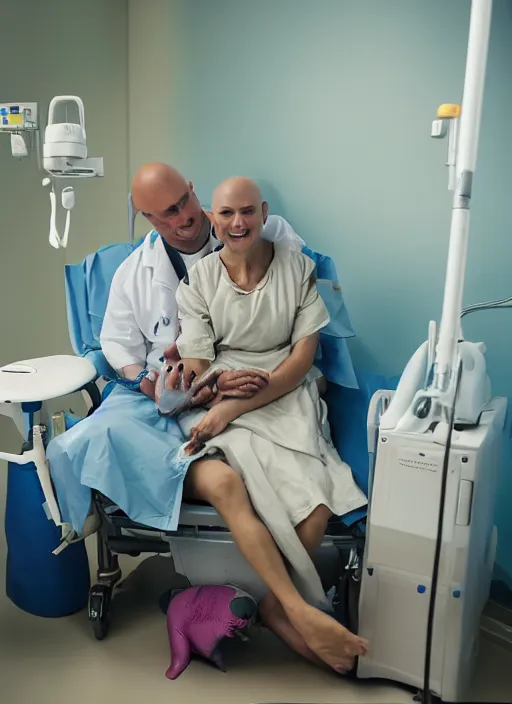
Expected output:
(199, 618)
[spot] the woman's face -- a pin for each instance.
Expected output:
(238, 220)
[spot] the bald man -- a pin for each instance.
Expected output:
(169, 203)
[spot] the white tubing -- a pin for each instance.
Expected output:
(54, 238)
(469, 131)
(64, 239)
(54, 235)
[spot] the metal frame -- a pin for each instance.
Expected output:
(112, 541)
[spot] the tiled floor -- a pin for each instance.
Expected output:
(59, 661)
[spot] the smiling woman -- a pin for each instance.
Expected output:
(238, 209)
(254, 305)
(238, 214)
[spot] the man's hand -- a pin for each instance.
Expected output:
(147, 387)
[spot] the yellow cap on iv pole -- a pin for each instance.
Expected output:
(448, 111)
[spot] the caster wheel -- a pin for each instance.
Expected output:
(100, 599)
(164, 600)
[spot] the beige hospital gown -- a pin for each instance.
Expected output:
(282, 450)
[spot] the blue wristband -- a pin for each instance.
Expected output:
(132, 384)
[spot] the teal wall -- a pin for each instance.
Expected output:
(328, 104)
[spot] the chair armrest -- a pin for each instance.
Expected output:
(98, 359)
(94, 394)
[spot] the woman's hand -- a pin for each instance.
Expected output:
(214, 422)
(243, 383)
(171, 354)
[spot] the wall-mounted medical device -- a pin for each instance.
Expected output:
(65, 143)
(20, 120)
(17, 117)
(64, 149)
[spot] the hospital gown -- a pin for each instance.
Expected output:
(283, 450)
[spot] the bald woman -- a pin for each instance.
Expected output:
(264, 462)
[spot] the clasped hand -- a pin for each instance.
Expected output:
(221, 386)
(242, 383)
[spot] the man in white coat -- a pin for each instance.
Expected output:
(128, 452)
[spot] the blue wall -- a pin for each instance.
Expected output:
(328, 104)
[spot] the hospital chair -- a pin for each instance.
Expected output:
(202, 547)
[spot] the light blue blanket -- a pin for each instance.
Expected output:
(127, 451)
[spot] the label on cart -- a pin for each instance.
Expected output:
(415, 459)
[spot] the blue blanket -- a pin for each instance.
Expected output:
(127, 451)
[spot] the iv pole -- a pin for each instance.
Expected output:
(447, 353)
(427, 387)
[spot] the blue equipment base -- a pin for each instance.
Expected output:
(37, 581)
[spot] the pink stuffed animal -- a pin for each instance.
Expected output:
(199, 618)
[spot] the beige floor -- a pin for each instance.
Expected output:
(59, 661)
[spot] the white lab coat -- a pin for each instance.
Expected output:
(141, 318)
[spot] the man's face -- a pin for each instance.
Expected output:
(238, 217)
(175, 213)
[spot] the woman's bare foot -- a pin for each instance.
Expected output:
(327, 638)
(275, 618)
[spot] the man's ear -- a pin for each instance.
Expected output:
(264, 209)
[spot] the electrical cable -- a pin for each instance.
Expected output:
(489, 305)
(427, 694)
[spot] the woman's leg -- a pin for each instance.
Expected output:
(216, 482)
(311, 533)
